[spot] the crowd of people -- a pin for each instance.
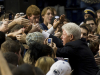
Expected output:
(56, 46)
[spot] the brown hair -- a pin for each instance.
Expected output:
(32, 10)
(4, 16)
(98, 11)
(10, 46)
(94, 46)
(45, 10)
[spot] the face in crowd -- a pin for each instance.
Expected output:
(84, 33)
(92, 24)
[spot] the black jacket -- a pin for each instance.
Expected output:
(80, 56)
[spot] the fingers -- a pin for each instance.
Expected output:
(45, 41)
(18, 37)
(54, 45)
(23, 16)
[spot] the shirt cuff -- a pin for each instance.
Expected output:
(45, 34)
(51, 30)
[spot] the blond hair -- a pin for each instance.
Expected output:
(44, 63)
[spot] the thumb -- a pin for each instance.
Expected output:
(23, 16)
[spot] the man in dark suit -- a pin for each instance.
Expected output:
(76, 49)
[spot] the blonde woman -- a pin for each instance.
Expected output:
(44, 63)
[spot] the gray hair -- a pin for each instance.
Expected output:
(72, 28)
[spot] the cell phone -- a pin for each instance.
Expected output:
(66, 59)
(21, 14)
(49, 41)
(55, 17)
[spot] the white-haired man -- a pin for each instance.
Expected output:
(76, 49)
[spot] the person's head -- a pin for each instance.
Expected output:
(98, 28)
(89, 12)
(47, 15)
(98, 14)
(24, 69)
(84, 31)
(34, 37)
(47, 51)
(38, 71)
(16, 28)
(44, 63)
(11, 46)
(33, 13)
(92, 23)
(94, 46)
(37, 50)
(71, 32)
(11, 66)
(60, 68)
(66, 21)
(4, 16)
(11, 58)
(2, 38)
(55, 11)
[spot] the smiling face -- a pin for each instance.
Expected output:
(48, 16)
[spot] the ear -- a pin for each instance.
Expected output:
(71, 37)
(28, 17)
(43, 17)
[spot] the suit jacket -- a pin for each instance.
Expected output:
(80, 56)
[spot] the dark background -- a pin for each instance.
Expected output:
(72, 7)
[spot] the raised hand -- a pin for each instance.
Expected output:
(22, 21)
(4, 26)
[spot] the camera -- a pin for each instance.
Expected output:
(21, 14)
(49, 41)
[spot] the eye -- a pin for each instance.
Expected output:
(84, 34)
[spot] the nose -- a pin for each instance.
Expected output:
(81, 35)
(61, 37)
(37, 20)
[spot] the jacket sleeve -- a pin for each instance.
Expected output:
(57, 41)
(65, 52)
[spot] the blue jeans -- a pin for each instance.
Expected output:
(85, 5)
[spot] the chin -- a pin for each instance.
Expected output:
(63, 44)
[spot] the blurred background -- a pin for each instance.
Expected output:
(71, 8)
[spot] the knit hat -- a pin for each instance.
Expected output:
(31, 38)
(60, 68)
(89, 10)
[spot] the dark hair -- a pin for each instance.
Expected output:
(88, 19)
(84, 27)
(10, 46)
(36, 50)
(11, 58)
(38, 71)
(16, 27)
(2, 38)
(94, 46)
(47, 50)
(24, 69)
(11, 66)
(39, 50)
